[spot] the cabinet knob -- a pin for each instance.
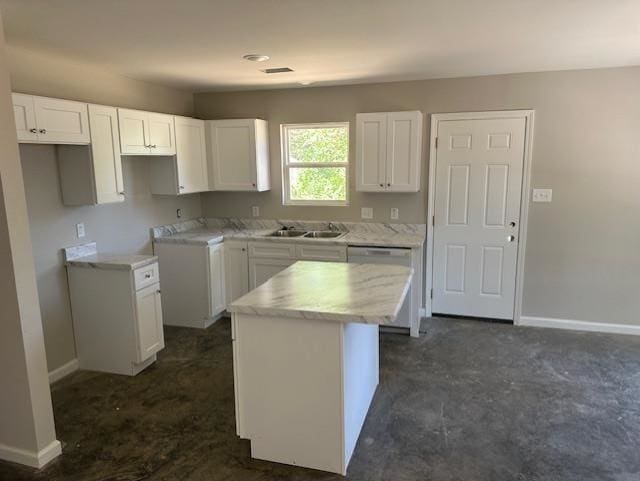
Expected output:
(148, 276)
(43, 131)
(181, 187)
(254, 184)
(153, 146)
(381, 185)
(33, 131)
(158, 291)
(243, 249)
(388, 185)
(121, 193)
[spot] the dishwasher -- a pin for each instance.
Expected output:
(390, 256)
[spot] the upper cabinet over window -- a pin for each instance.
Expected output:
(388, 151)
(146, 133)
(238, 155)
(50, 121)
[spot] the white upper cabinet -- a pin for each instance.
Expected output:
(50, 121)
(92, 174)
(388, 151)
(238, 155)
(146, 133)
(191, 155)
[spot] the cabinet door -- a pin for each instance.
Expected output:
(105, 150)
(371, 152)
(404, 147)
(236, 270)
(61, 121)
(232, 154)
(191, 156)
(162, 137)
(25, 117)
(216, 280)
(134, 132)
(261, 270)
(150, 336)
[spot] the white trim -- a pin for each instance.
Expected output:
(64, 370)
(286, 165)
(31, 458)
(573, 325)
(524, 202)
(422, 312)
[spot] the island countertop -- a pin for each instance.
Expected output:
(335, 291)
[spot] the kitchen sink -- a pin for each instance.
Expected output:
(287, 233)
(324, 234)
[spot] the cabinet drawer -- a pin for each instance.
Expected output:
(321, 253)
(145, 276)
(272, 250)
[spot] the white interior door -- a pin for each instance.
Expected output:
(479, 169)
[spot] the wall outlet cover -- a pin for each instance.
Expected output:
(255, 211)
(80, 230)
(366, 212)
(395, 213)
(542, 195)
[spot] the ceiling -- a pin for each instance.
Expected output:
(198, 45)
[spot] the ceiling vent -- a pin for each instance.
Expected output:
(278, 70)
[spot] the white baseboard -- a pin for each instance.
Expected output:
(31, 458)
(63, 371)
(579, 325)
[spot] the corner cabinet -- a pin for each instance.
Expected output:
(186, 172)
(146, 133)
(388, 151)
(92, 174)
(193, 279)
(44, 120)
(238, 155)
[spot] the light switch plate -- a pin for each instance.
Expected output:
(366, 213)
(80, 230)
(395, 213)
(542, 195)
(255, 211)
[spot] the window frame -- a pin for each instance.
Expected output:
(287, 166)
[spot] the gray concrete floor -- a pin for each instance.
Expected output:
(468, 401)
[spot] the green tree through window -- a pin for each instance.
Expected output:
(315, 160)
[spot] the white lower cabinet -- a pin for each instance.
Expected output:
(193, 280)
(261, 270)
(117, 318)
(266, 259)
(236, 268)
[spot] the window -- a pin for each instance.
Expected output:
(315, 164)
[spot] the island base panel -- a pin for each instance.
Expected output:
(303, 387)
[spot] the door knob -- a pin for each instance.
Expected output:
(512, 224)
(511, 238)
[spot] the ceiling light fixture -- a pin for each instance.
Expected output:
(254, 57)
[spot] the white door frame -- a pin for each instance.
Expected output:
(528, 115)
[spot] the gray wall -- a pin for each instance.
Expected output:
(583, 259)
(119, 228)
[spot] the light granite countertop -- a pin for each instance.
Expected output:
(366, 293)
(210, 236)
(113, 261)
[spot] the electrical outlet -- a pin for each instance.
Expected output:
(80, 230)
(395, 213)
(178, 213)
(542, 195)
(366, 213)
(255, 211)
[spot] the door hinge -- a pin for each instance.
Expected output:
(436, 142)
(433, 220)
(431, 294)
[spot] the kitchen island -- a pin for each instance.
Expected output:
(305, 357)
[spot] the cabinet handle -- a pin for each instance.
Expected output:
(33, 131)
(181, 187)
(43, 131)
(148, 276)
(121, 193)
(153, 146)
